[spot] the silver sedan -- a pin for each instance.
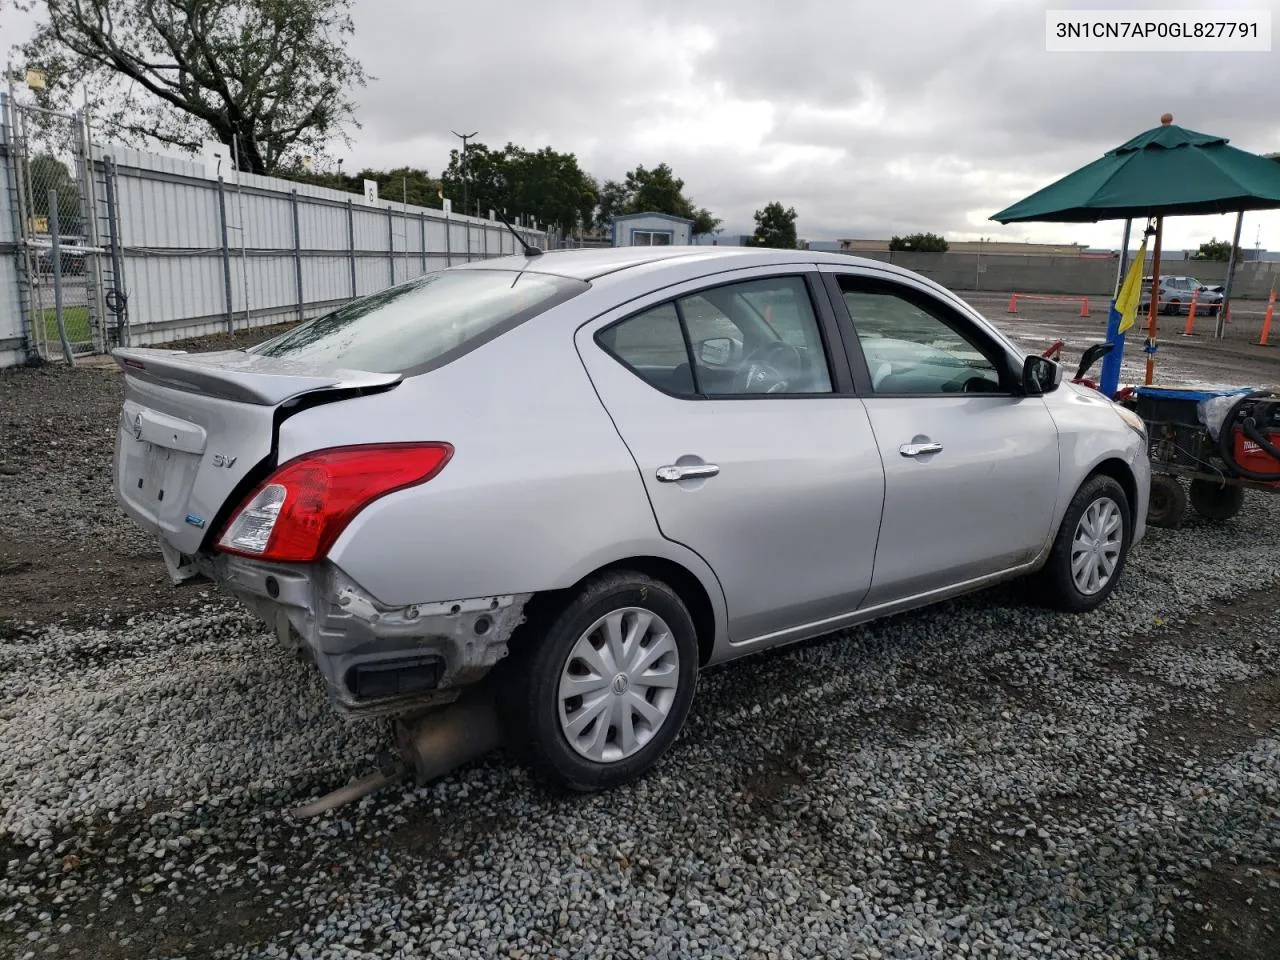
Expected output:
(570, 480)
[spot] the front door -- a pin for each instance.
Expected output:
(971, 468)
(752, 448)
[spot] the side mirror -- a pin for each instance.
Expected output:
(716, 352)
(1040, 376)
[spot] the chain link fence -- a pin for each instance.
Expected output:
(51, 201)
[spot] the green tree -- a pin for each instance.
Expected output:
(272, 76)
(659, 190)
(775, 227)
(550, 187)
(656, 191)
(920, 243)
(47, 172)
(544, 184)
(403, 184)
(1219, 250)
(611, 201)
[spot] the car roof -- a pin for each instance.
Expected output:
(589, 264)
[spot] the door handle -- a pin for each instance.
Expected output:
(688, 471)
(919, 449)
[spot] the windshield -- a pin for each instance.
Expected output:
(423, 323)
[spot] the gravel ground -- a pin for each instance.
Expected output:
(983, 778)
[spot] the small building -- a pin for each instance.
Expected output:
(652, 230)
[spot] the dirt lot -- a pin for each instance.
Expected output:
(983, 778)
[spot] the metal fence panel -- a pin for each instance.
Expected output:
(162, 249)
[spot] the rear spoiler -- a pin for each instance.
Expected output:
(243, 377)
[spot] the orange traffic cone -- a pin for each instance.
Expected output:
(1190, 330)
(1266, 320)
(1084, 307)
(1013, 303)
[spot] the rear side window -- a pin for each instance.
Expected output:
(756, 337)
(652, 346)
(423, 323)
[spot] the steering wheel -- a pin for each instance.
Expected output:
(976, 385)
(769, 368)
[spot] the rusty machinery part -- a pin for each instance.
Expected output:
(429, 744)
(1258, 416)
(1168, 504)
(434, 743)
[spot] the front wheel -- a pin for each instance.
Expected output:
(1089, 553)
(602, 694)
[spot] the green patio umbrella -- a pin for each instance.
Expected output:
(1165, 171)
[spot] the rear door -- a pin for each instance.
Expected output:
(971, 469)
(753, 449)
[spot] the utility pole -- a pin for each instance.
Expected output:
(464, 137)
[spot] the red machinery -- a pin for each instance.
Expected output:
(1220, 440)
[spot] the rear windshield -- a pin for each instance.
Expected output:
(423, 323)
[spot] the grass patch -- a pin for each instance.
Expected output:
(75, 319)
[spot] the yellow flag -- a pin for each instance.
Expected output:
(1130, 297)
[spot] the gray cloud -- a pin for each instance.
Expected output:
(868, 118)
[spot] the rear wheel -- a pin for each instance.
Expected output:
(597, 699)
(1216, 501)
(1091, 548)
(1168, 507)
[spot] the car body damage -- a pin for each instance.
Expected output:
(375, 659)
(685, 455)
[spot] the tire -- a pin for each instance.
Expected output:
(1216, 501)
(538, 721)
(1168, 507)
(1174, 308)
(1102, 500)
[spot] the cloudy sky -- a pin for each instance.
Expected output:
(870, 117)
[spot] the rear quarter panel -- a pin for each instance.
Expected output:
(540, 491)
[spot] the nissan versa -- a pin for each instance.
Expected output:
(573, 478)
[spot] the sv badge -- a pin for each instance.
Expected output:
(220, 461)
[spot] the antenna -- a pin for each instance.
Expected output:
(529, 249)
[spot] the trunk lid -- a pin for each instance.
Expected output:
(194, 426)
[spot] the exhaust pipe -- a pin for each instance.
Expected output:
(430, 745)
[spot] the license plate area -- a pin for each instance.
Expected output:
(157, 463)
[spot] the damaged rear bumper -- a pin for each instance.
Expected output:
(374, 659)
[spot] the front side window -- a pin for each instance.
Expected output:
(910, 349)
(740, 339)
(421, 323)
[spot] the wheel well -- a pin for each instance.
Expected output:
(1119, 471)
(547, 604)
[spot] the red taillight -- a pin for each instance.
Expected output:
(298, 512)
